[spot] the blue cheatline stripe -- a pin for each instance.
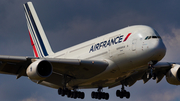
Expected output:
(37, 32)
(31, 31)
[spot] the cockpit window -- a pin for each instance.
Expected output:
(146, 38)
(153, 37)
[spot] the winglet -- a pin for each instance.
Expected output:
(39, 41)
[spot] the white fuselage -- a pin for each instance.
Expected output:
(126, 50)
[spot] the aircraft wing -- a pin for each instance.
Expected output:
(79, 69)
(160, 69)
(76, 68)
(13, 65)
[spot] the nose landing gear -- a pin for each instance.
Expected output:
(151, 73)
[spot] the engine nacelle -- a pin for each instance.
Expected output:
(173, 75)
(39, 70)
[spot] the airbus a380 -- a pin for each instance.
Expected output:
(118, 58)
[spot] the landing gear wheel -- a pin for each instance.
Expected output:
(121, 95)
(63, 92)
(82, 95)
(74, 95)
(99, 95)
(106, 96)
(103, 95)
(59, 91)
(118, 93)
(68, 93)
(127, 95)
(78, 94)
(93, 94)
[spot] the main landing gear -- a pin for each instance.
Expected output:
(71, 94)
(123, 93)
(100, 95)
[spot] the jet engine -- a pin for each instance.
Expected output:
(39, 70)
(173, 75)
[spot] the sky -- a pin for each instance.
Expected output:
(70, 22)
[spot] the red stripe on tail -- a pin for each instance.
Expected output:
(34, 48)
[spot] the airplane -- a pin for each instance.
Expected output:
(118, 58)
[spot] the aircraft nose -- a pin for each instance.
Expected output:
(158, 49)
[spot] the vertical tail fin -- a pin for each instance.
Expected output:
(39, 41)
